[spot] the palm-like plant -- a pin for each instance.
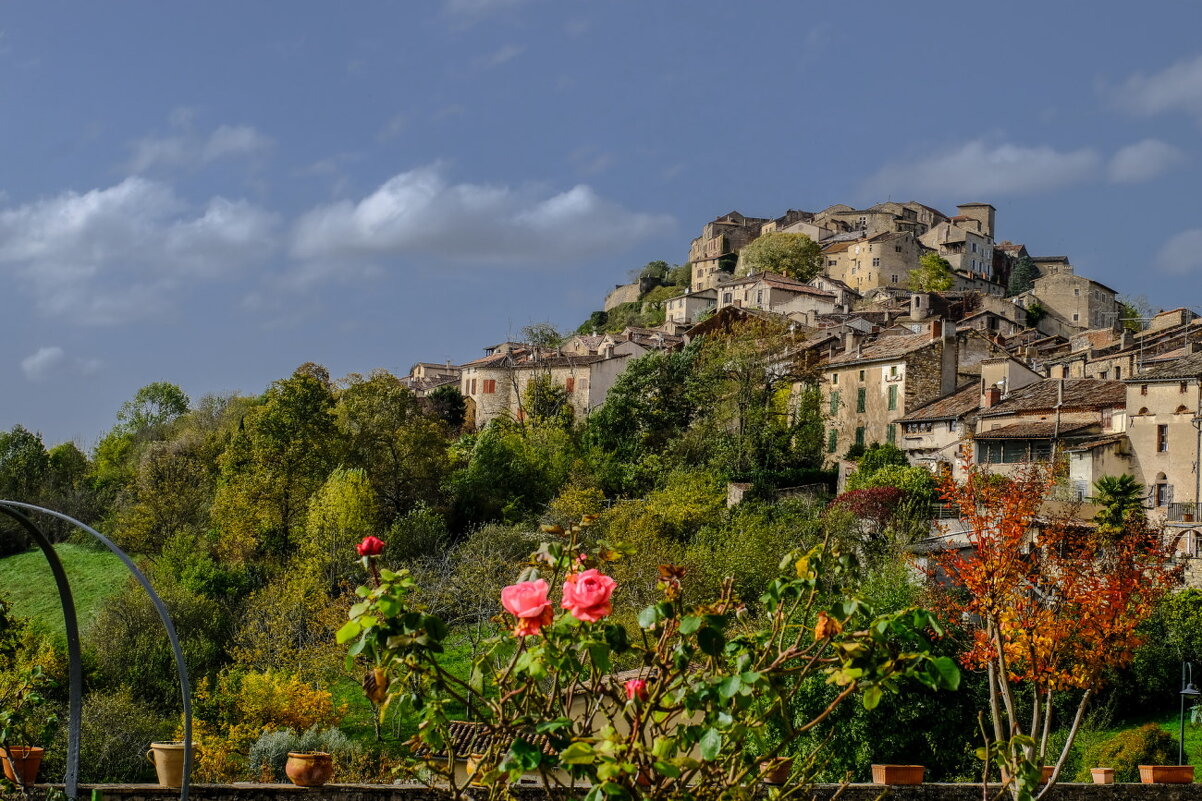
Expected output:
(1122, 502)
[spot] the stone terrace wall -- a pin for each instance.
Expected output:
(825, 792)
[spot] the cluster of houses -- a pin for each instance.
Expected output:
(1051, 370)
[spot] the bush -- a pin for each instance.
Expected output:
(1127, 750)
(116, 730)
(268, 755)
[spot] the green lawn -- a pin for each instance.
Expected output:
(26, 581)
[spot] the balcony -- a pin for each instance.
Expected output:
(1184, 512)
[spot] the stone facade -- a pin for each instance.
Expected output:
(777, 294)
(1073, 301)
(883, 259)
(497, 385)
(688, 307)
(966, 244)
(718, 246)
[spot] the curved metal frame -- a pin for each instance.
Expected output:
(17, 511)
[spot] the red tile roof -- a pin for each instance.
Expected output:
(1079, 393)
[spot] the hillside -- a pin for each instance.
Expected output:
(26, 580)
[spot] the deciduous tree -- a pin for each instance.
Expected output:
(934, 274)
(794, 255)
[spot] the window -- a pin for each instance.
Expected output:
(893, 398)
(834, 403)
(894, 277)
(1118, 373)
(974, 250)
(490, 386)
(759, 296)
(1162, 439)
(1076, 317)
(861, 375)
(1077, 292)
(832, 440)
(919, 428)
(569, 384)
(831, 262)
(726, 297)
(472, 391)
(834, 378)
(893, 371)
(859, 436)
(897, 248)
(861, 399)
(876, 261)
(891, 434)
(1184, 387)
(1143, 389)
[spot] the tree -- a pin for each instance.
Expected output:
(152, 408)
(655, 270)
(448, 405)
(546, 401)
(542, 336)
(934, 274)
(1048, 603)
(24, 465)
(1134, 311)
(1122, 502)
(1022, 277)
(794, 255)
(341, 514)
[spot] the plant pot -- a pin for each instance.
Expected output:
(1102, 775)
(1045, 774)
(776, 770)
(1166, 774)
(474, 766)
(898, 774)
(168, 761)
(309, 769)
(23, 762)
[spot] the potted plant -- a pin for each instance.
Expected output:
(309, 768)
(24, 720)
(1102, 775)
(1166, 774)
(898, 774)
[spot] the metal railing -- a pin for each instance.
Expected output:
(1184, 512)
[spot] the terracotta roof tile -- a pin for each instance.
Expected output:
(1185, 367)
(952, 406)
(1031, 430)
(885, 348)
(1079, 393)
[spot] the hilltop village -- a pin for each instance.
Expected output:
(1014, 352)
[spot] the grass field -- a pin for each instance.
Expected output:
(26, 581)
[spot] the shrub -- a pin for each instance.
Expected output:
(268, 755)
(1127, 750)
(115, 732)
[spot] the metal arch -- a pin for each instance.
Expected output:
(16, 510)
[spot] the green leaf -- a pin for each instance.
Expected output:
(872, 696)
(552, 725)
(667, 769)
(729, 687)
(615, 635)
(711, 744)
(614, 790)
(599, 653)
(648, 617)
(690, 624)
(949, 672)
(527, 756)
(348, 632)
(578, 753)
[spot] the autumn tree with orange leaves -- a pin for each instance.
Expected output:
(1049, 602)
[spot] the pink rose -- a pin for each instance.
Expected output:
(636, 688)
(586, 595)
(527, 601)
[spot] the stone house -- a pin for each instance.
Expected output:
(966, 240)
(713, 254)
(425, 377)
(1163, 415)
(1072, 302)
(932, 435)
(776, 293)
(845, 296)
(868, 388)
(883, 259)
(496, 385)
(688, 307)
(1034, 421)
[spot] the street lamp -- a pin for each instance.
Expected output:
(1187, 689)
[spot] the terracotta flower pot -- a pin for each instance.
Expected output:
(22, 761)
(1046, 773)
(776, 770)
(898, 774)
(1166, 774)
(168, 761)
(1102, 775)
(310, 769)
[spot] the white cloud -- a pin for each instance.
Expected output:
(982, 170)
(1182, 253)
(1176, 88)
(504, 55)
(1143, 161)
(420, 213)
(126, 251)
(39, 365)
(190, 150)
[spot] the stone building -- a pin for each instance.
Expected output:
(966, 240)
(1071, 302)
(688, 307)
(868, 388)
(883, 259)
(776, 293)
(425, 377)
(1163, 415)
(714, 253)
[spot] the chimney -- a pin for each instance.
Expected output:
(993, 394)
(949, 358)
(920, 305)
(936, 329)
(1125, 339)
(850, 339)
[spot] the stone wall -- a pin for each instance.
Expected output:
(824, 792)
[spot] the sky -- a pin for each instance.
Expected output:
(214, 193)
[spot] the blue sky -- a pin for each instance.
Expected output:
(213, 193)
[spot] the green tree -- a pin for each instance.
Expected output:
(152, 409)
(794, 255)
(934, 274)
(878, 455)
(1134, 311)
(402, 450)
(282, 453)
(546, 401)
(1122, 501)
(656, 270)
(448, 405)
(24, 465)
(341, 513)
(1022, 277)
(681, 276)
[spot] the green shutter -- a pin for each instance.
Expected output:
(832, 441)
(860, 437)
(861, 399)
(835, 402)
(893, 397)
(891, 434)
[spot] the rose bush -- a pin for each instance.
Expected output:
(708, 679)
